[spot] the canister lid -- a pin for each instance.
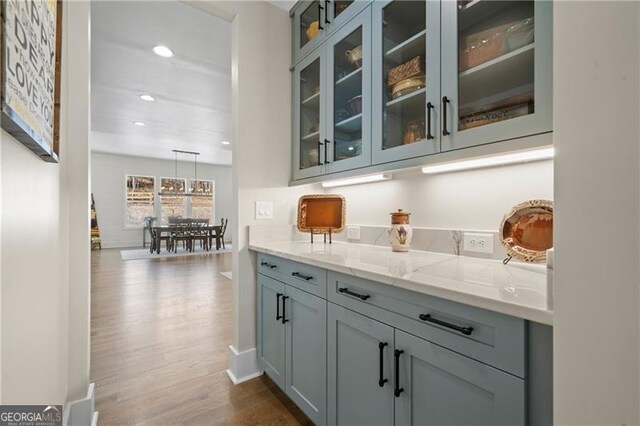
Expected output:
(400, 217)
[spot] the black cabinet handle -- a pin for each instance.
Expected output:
(326, 150)
(320, 149)
(326, 13)
(464, 330)
(278, 316)
(320, 8)
(284, 309)
(382, 380)
(429, 108)
(304, 277)
(269, 265)
(445, 104)
(397, 390)
(345, 290)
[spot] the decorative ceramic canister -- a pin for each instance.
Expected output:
(400, 233)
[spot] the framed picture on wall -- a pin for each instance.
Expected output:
(30, 51)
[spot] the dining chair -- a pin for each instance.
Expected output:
(181, 231)
(220, 234)
(199, 232)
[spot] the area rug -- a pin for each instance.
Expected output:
(137, 254)
(228, 275)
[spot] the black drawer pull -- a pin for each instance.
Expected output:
(304, 277)
(268, 265)
(398, 390)
(351, 293)
(464, 330)
(278, 316)
(284, 307)
(382, 380)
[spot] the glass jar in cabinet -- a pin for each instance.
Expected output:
(496, 71)
(405, 79)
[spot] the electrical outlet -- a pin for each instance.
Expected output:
(264, 210)
(479, 243)
(353, 232)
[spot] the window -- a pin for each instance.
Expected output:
(172, 202)
(139, 200)
(202, 206)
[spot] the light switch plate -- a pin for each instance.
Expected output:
(479, 243)
(353, 232)
(264, 210)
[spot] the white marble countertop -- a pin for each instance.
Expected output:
(516, 289)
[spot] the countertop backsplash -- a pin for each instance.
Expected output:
(449, 241)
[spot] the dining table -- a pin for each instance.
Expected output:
(213, 230)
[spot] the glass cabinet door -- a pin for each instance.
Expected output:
(406, 79)
(496, 71)
(309, 116)
(341, 11)
(309, 27)
(348, 143)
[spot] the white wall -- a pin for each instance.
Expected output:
(596, 90)
(44, 264)
(108, 182)
(473, 199)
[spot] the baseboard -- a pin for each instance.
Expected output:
(81, 412)
(243, 365)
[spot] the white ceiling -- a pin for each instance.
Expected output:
(192, 90)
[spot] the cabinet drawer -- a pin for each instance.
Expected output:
(489, 337)
(305, 277)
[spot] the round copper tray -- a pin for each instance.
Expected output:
(527, 230)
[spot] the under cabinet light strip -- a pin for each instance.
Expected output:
(496, 160)
(357, 180)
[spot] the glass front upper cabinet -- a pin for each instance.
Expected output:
(348, 140)
(309, 119)
(496, 71)
(406, 79)
(309, 27)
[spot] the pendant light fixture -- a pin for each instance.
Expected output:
(187, 191)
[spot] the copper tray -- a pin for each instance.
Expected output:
(321, 213)
(527, 230)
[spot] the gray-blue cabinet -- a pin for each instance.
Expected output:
(496, 71)
(435, 77)
(360, 373)
(405, 112)
(436, 386)
(292, 343)
(332, 102)
(350, 351)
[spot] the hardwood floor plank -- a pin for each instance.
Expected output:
(160, 329)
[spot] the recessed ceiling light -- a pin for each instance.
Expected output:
(226, 143)
(163, 51)
(139, 123)
(147, 98)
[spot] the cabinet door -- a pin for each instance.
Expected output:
(404, 99)
(309, 116)
(306, 364)
(442, 387)
(496, 71)
(271, 330)
(309, 27)
(340, 12)
(356, 395)
(349, 95)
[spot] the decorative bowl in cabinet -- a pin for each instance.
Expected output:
(313, 30)
(526, 230)
(406, 86)
(354, 105)
(354, 56)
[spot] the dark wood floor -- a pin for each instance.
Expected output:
(160, 329)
